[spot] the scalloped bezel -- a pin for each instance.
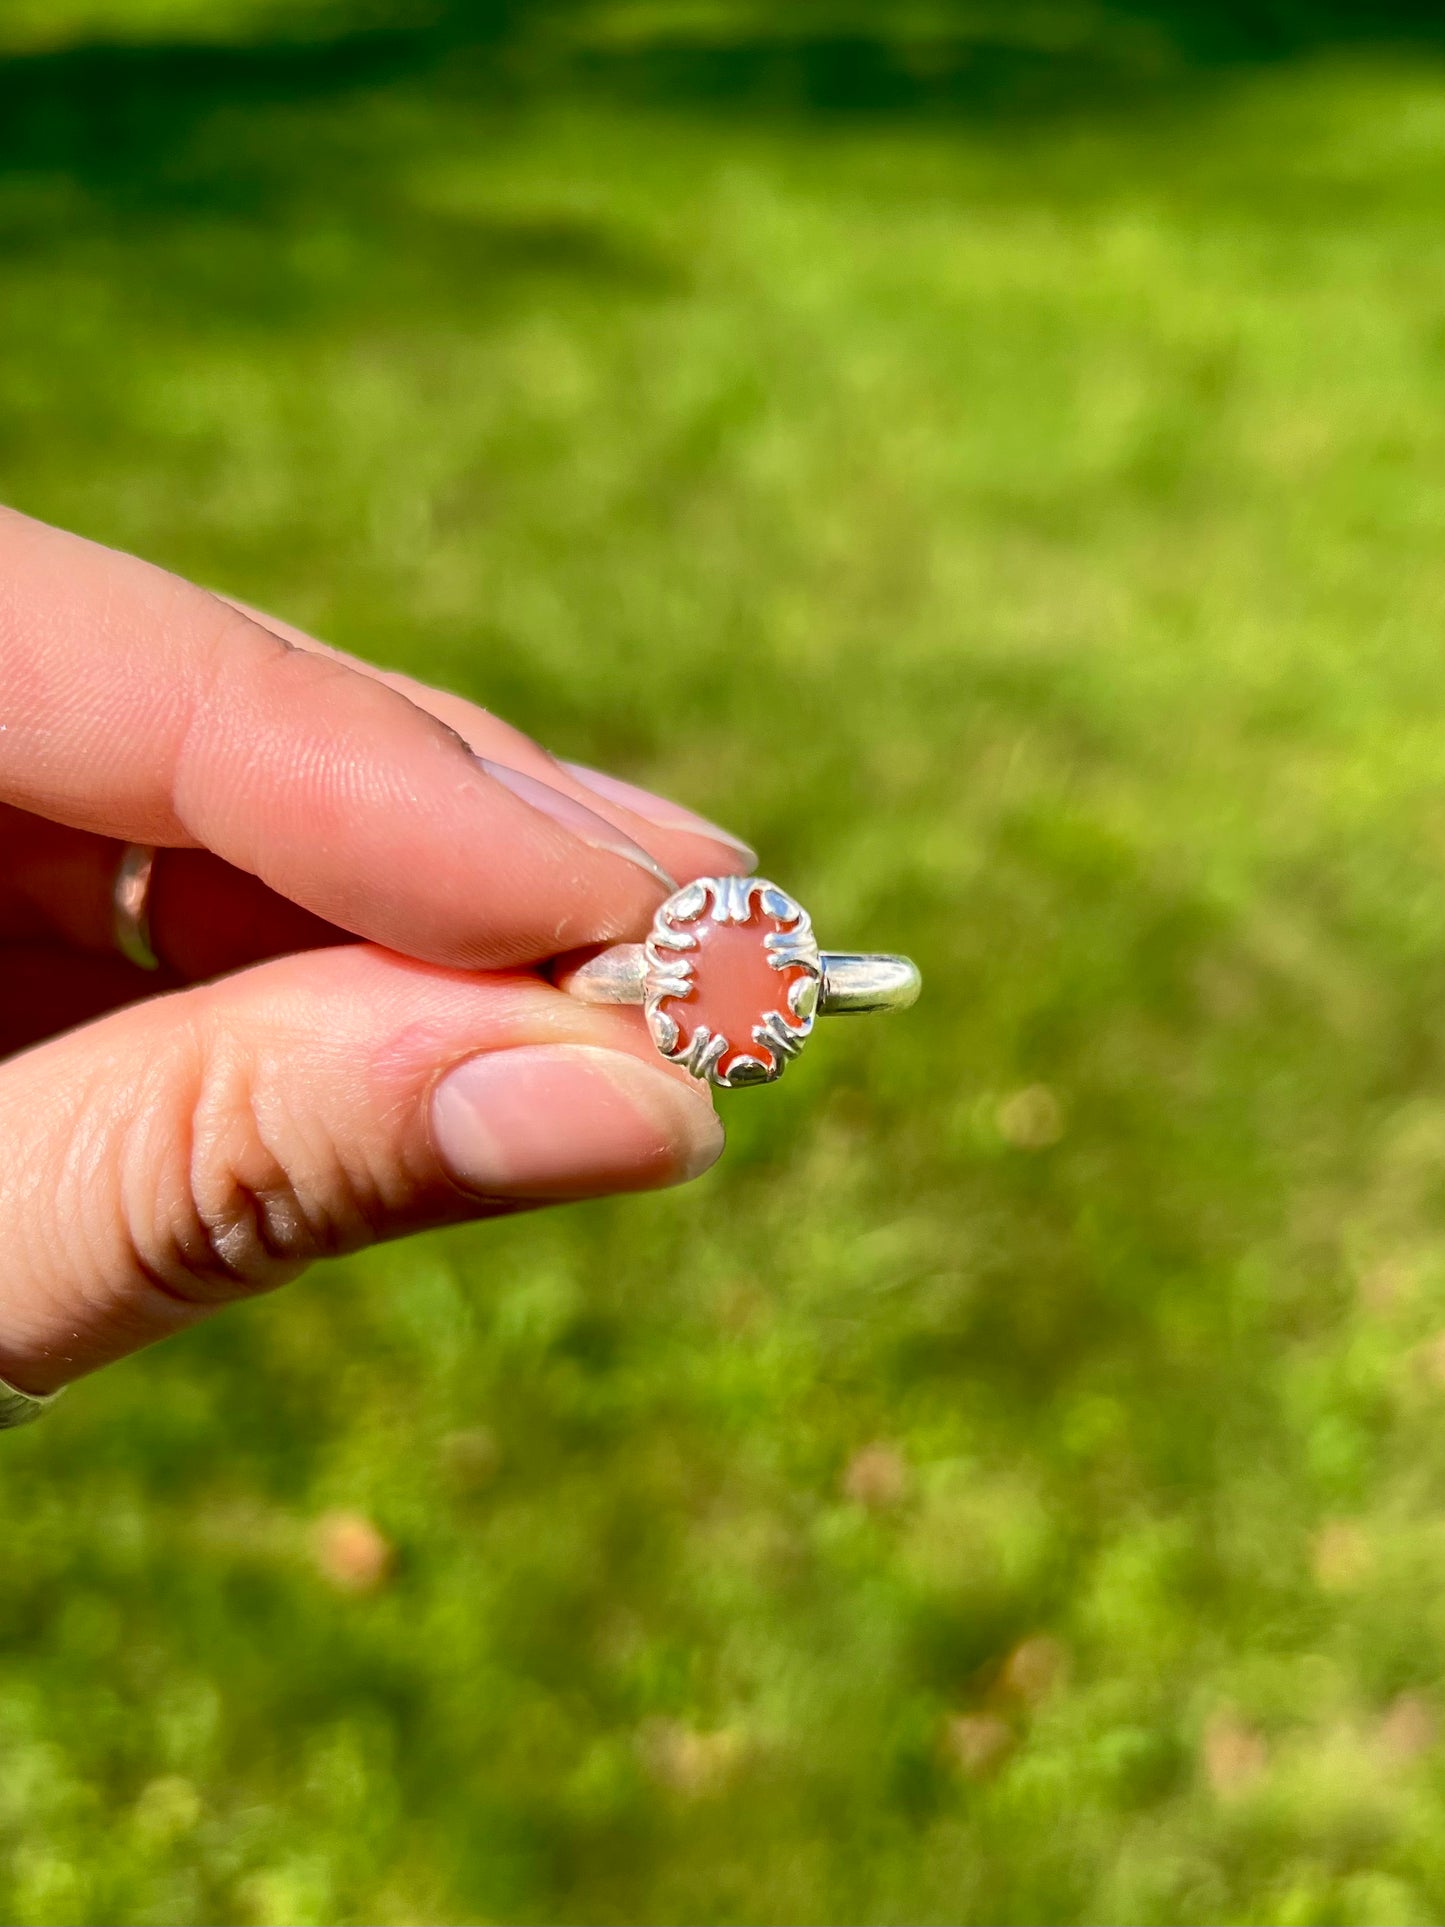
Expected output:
(671, 975)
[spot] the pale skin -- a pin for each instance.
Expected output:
(361, 883)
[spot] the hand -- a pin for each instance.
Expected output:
(291, 1092)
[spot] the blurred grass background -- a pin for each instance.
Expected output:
(994, 457)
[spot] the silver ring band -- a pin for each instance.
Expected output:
(853, 981)
(130, 906)
(21, 1408)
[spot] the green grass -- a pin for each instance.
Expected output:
(1029, 528)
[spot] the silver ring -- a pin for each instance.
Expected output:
(731, 980)
(130, 906)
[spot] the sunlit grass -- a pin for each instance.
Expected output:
(1009, 1488)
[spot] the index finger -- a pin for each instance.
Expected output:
(687, 844)
(135, 704)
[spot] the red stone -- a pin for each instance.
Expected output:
(734, 986)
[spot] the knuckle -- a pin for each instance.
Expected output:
(257, 1192)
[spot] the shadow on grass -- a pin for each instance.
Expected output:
(116, 115)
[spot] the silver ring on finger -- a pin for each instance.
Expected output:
(130, 906)
(732, 980)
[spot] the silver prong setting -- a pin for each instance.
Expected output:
(749, 1070)
(803, 999)
(671, 955)
(663, 1030)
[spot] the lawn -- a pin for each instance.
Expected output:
(1011, 1486)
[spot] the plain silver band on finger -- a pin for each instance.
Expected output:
(853, 982)
(130, 906)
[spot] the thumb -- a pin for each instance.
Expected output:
(190, 1150)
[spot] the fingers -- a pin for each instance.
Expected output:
(685, 843)
(141, 708)
(197, 1147)
(45, 990)
(58, 962)
(57, 885)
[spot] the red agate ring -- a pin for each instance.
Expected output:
(732, 980)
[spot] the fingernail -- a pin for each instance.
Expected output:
(658, 809)
(584, 824)
(569, 1121)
